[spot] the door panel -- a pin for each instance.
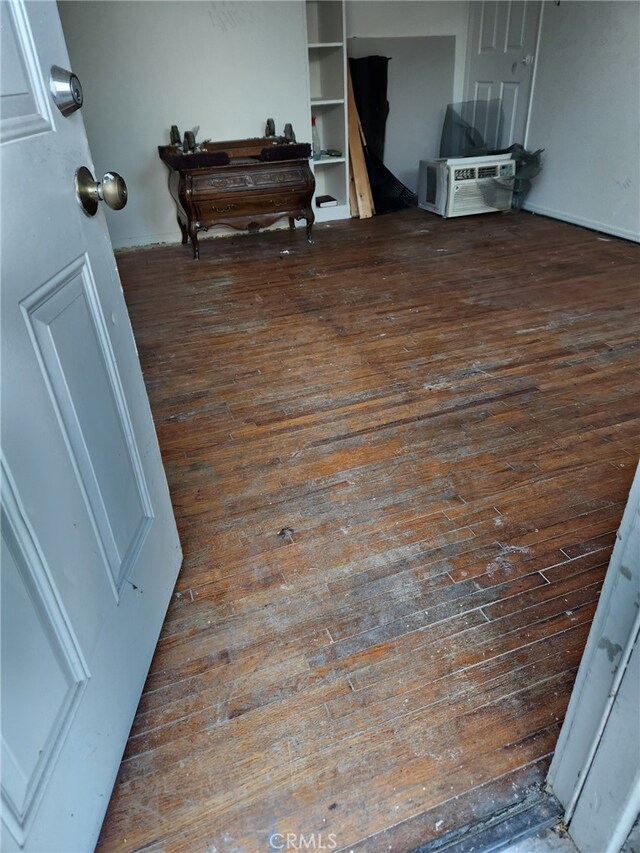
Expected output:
(90, 551)
(501, 47)
(24, 107)
(488, 27)
(509, 95)
(516, 26)
(35, 623)
(70, 336)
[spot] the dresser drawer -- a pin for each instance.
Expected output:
(253, 180)
(262, 203)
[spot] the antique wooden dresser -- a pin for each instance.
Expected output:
(244, 183)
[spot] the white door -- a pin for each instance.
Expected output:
(501, 49)
(90, 551)
(595, 772)
(609, 804)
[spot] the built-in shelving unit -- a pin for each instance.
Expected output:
(326, 47)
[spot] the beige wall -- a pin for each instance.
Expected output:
(585, 113)
(144, 66)
(393, 18)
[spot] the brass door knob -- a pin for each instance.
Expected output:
(112, 190)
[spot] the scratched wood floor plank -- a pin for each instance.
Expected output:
(446, 414)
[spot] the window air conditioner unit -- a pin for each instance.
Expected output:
(462, 186)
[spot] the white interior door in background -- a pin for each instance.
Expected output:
(90, 551)
(500, 59)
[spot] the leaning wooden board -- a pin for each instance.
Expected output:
(363, 195)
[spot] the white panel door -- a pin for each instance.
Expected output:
(90, 551)
(609, 803)
(595, 772)
(500, 59)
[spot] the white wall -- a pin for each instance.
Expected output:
(420, 85)
(585, 113)
(393, 18)
(144, 66)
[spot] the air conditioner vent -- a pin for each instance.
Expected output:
(466, 199)
(487, 171)
(464, 174)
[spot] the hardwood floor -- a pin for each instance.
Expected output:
(447, 416)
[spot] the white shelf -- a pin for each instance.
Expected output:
(325, 21)
(327, 88)
(329, 214)
(327, 161)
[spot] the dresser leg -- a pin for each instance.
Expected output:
(292, 223)
(310, 220)
(193, 232)
(183, 231)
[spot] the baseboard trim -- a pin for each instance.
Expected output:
(592, 224)
(146, 241)
(539, 811)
